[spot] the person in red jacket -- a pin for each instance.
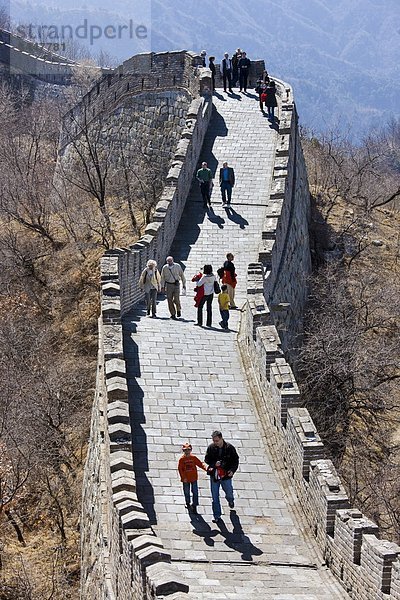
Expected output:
(229, 278)
(199, 290)
(187, 467)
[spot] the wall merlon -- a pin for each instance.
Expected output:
(123, 481)
(278, 188)
(125, 505)
(120, 433)
(395, 581)
(117, 389)
(150, 555)
(303, 442)
(134, 520)
(112, 341)
(377, 557)
(144, 541)
(282, 148)
(350, 527)
(163, 582)
(109, 268)
(110, 288)
(121, 460)
(265, 252)
(326, 495)
(118, 412)
(115, 367)
(274, 208)
(269, 228)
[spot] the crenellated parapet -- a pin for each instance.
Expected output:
(119, 546)
(367, 567)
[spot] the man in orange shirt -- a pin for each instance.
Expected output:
(187, 467)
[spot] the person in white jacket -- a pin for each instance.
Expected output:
(209, 281)
(150, 283)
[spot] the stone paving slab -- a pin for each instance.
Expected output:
(185, 381)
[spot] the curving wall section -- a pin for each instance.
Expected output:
(121, 556)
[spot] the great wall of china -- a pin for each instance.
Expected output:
(122, 556)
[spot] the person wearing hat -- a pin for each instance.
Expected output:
(226, 71)
(203, 55)
(187, 467)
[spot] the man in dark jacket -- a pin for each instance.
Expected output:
(226, 182)
(244, 70)
(226, 71)
(223, 461)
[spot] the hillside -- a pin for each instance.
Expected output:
(341, 59)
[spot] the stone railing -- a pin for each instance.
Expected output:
(366, 566)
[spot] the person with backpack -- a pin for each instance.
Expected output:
(150, 283)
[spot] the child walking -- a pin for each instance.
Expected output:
(223, 301)
(187, 467)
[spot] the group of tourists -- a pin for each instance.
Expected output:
(207, 285)
(236, 69)
(221, 463)
(233, 69)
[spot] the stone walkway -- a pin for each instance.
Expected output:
(184, 382)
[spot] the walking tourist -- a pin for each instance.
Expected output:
(223, 461)
(204, 177)
(209, 281)
(203, 55)
(223, 301)
(150, 283)
(187, 467)
(171, 276)
(261, 91)
(226, 182)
